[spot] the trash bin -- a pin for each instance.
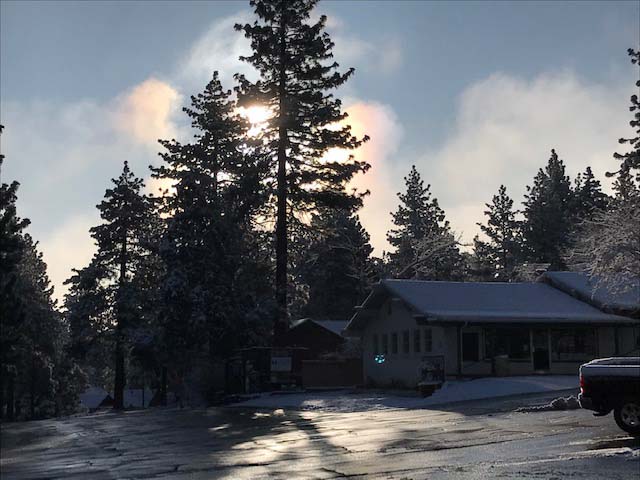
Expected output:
(502, 366)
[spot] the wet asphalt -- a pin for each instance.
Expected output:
(473, 440)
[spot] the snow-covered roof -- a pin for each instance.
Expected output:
(92, 397)
(621, 299)
(334, 326)
(478, 302)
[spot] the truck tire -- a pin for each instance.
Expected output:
(627, 416)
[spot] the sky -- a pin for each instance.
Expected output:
(475, 94)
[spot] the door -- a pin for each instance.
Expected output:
(541, 350)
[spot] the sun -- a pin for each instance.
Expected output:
(256, 114)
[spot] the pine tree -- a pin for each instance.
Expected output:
(33, 337)
(503, 249)
(609, 245)
(44, 335)
(548, 216)
(11, 307)
(337, 265)
(631, 160)
(588, 197)
(625, 187)
(426, 249)
(218, 181)
(293, 57)
(126, 214)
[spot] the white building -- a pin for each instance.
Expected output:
(480, 329)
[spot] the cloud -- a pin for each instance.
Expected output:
(145, 112)
(67, 247)
(384, 54)
(64, 155)
(380, 122)
(505, 129)
(219, 48)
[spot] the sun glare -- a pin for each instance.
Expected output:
(257, 115)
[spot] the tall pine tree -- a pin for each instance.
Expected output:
(126, 213)
(503, 249)
(548, 214)
(209, 242)
(11, 308)
(630, 161)
(425, 247)
(293, 56)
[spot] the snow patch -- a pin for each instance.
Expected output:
(452, 391)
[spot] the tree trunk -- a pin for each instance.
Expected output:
(281, 323)
(119, 382)
(3, 379)
(32, 390)
(11, 385)
(163, 387)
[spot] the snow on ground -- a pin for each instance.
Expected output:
(453, 391)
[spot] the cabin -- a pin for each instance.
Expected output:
(319, 337)
(482, 329)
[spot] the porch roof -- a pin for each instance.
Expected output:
(621, 298)
(478, 302)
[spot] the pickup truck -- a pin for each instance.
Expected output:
(608, 384)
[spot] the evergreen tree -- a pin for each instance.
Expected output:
(337, 267)
(209, 244)
(548, 216)
(293, 57)
(121, 249)
(625, 187)
(503, 249)
(630, 161)
(588, 197)
(11, 308)
(33, 337)
(426, 249)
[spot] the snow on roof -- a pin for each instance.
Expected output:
(92, 397)
(623, 299)
(479, 302)
(334, 326)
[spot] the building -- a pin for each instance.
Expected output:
(623, 300)
(332, 360)
(481, 329)
(318, 336)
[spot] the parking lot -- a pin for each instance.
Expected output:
(481, 439)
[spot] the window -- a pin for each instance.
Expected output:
(416, 341)
(394, 343)
(470, 347)
(514, 342)
(428, 340)
(376, 347)
(573, 344)
(406, 342)
(385, 344)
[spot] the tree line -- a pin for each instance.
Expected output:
(257, 229)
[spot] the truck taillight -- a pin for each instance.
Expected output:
(583, 384)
